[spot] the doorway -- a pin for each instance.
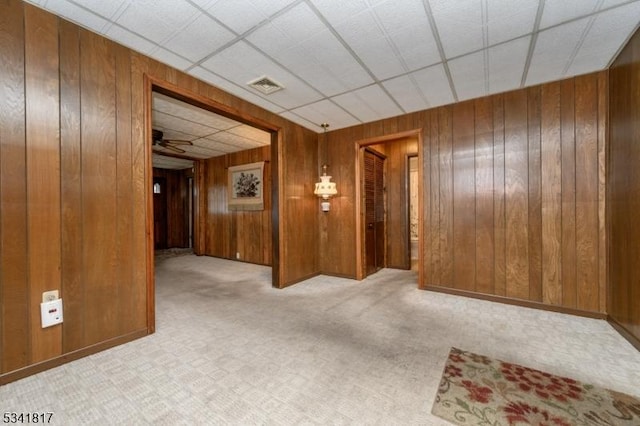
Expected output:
(375, 240)
(160, 223)
(391, 157)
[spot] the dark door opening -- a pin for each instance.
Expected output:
(375, 211)
(160, 223)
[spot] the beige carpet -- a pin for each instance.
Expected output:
(231, 350)
(478, 390)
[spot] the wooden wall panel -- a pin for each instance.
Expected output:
(99, 180)
(484, 193)
(516, 194)
(464, 197)
(551, 172)
(623, 188)
(227, 233)
(70, 174)
(75, 188)
(43, 173)
(501, 212)
(14, 291)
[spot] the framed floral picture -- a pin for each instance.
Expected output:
(246, 185)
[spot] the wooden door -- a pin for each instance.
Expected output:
(160, 224)
(374, 201)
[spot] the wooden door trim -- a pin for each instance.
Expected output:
(152, 84)
(359, 146)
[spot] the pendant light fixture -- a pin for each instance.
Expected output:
(325, 189)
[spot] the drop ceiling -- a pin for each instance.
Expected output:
(210, 134)
(347, 62)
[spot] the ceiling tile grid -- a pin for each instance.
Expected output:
(340, 60)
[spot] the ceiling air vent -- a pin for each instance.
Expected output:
(265, 85)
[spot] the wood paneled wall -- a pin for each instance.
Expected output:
(75, 188)
(226, 232)
(624, 191)
(177, 187)
(513, 193)
(397, 187)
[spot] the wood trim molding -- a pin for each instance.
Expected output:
(70, 356)
(516, 302)
(148, 161)
(635, 342)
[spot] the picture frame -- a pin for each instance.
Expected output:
(246, 187)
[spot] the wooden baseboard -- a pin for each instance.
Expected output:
(631, 338)
(30, 370)
(516, 302)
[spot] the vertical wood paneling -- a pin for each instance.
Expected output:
(499, 231)
(14, 295)
(568, 166)
(551, 196)
(603, 102)
(98, 124)
(587, 192)
(484, 168)
(445, 222)
(516, 195)
(43, 173)
(229, 232)
(464, 216)
(535, 195)
(124, 193)
(433, 202)
(623, 190)
(70, 174)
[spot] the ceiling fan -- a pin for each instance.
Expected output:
(170, 144)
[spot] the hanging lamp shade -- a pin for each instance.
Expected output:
(325, 189)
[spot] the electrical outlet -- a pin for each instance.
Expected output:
(49, 296)
(237, 255)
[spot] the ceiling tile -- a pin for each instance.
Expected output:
(558, 11)
(550, 57)
(199, 38)
(326, 111)
(242, 63)
(328, 66)
(451, 17)
(469, 75)
(165, 162)
(242, 15)
(608, 32)
(163, 55)
(77, 14)
(368, 104)
(157, 20)
(171, 106)
(182, 125)
(301, 121)
(426, 88)
(129, 39)
(107, 9)
(216, 80)
(509, 19)
(506, 64)
(249, 132)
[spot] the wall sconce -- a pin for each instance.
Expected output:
(325, 189)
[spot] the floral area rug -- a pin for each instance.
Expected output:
(476, 390)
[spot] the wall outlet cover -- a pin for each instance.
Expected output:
(51, 313)
(49, 296)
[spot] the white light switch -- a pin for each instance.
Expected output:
(51, 313)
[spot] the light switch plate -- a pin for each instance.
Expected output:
(51, 313)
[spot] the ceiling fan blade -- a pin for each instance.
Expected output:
(177, 142)
(173, 148)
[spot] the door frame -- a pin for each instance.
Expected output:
(152, 84)
(359, 147)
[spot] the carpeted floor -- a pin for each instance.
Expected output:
(478, 390)
(229, 349)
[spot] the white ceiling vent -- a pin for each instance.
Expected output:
(265, 85)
